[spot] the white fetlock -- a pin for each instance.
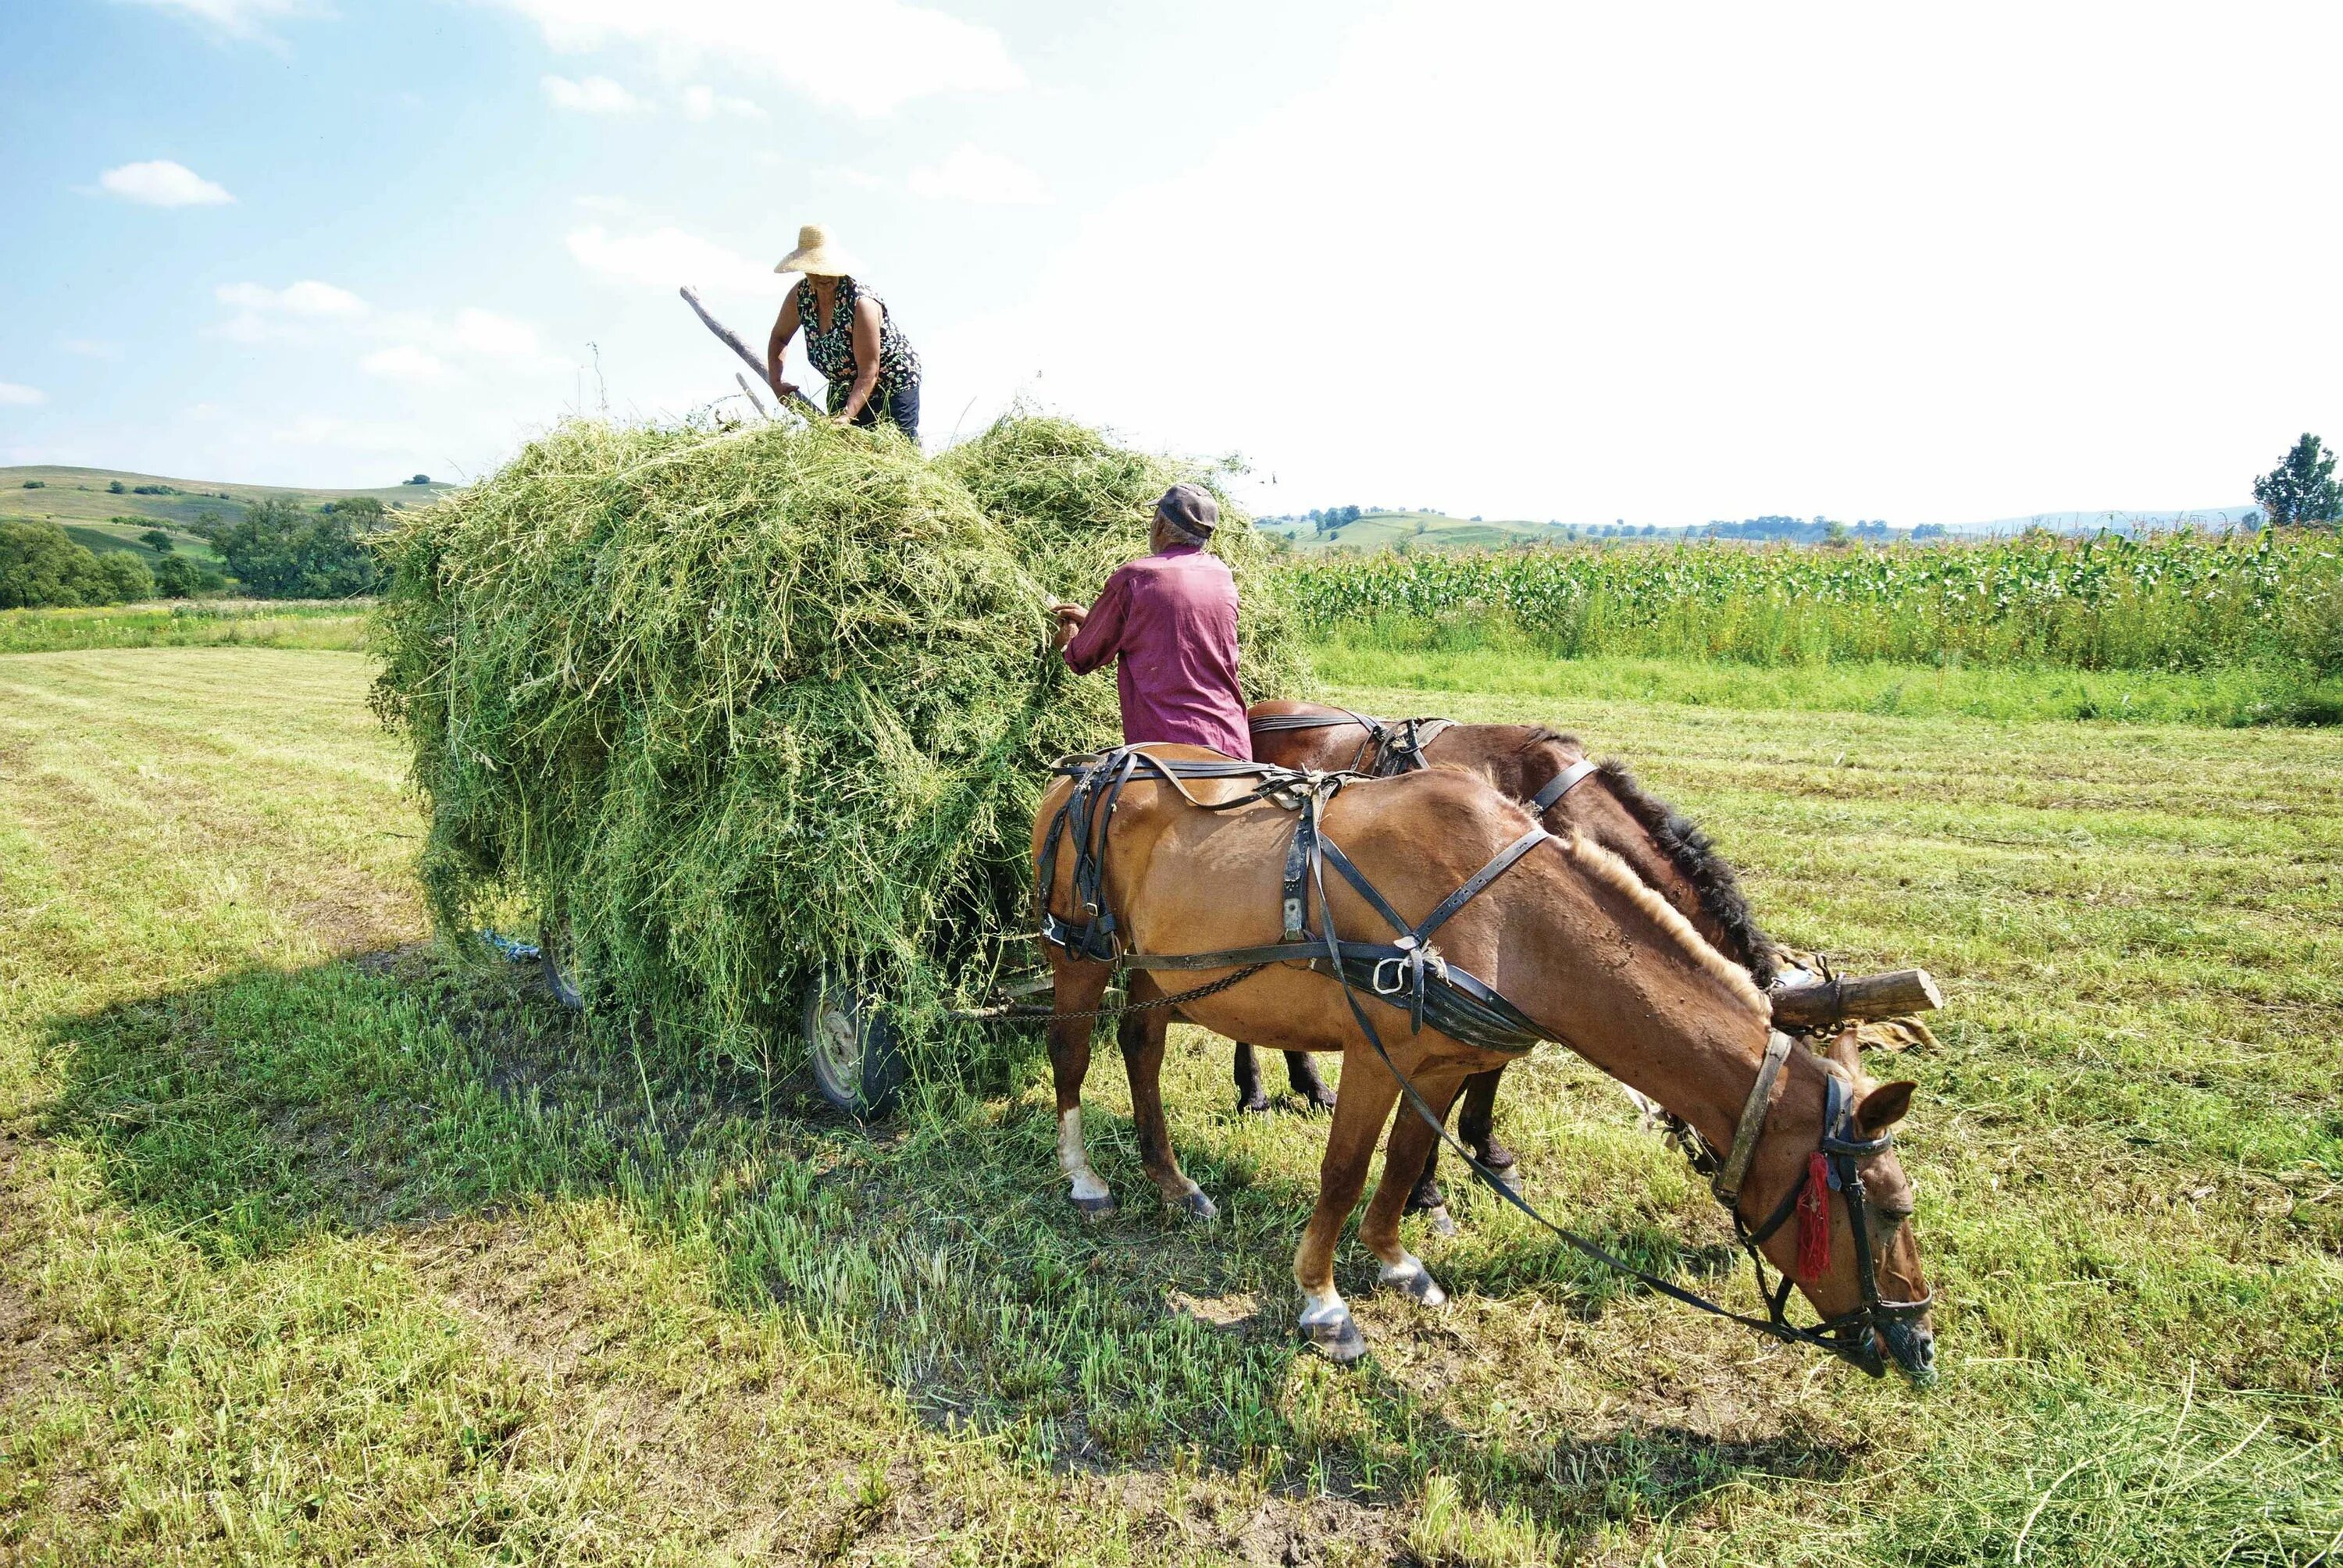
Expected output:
(1328, 1328)
(1090, 1194)
(1412, 1279)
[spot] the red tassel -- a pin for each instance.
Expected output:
(1813, 1219)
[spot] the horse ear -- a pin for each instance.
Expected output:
(1885, 1106)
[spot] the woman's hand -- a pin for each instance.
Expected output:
(1069, 621)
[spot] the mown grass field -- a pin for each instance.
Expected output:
(318, 1243)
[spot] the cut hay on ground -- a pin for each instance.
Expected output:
(744, 706)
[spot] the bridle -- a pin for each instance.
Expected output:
(1832, 1164)
(1457, 1004)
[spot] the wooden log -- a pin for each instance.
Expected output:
(1826, 1004)
(732, 340)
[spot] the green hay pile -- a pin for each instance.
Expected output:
(742, 707)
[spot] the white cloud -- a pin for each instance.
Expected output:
(705, 103)
(870, 57)
(594, 96)
(307, 297)
(1677, 265)
(404, 362)
(494, 336)
(162, 183)
(237, 18)
(17, 394)
(667, 258)
(971, 174)
(350, 435)
(90, 347)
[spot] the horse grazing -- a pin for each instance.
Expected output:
(1201, 867)
(1667, 853)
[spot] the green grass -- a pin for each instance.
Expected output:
(2231, 697)
(80, 496)
(195, 623)
(114, 535)
(317, 1244)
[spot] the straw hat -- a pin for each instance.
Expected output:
(816, 256)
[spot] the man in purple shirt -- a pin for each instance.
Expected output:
(1170, 619)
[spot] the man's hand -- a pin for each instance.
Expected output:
(1069, 621)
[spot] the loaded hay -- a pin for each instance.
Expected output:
(745, 708)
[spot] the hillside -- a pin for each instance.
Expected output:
(1419, 531)
(82, 496)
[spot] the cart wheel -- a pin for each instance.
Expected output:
(557, 955)
(857, 1064)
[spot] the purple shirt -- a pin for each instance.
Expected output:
(1171, 620)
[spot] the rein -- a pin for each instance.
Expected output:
(1407, 971)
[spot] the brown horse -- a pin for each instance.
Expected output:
(1571, 935)
(1671, 856)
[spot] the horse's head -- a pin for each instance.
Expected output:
(1870, 1289)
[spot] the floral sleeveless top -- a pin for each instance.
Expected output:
(830, 345)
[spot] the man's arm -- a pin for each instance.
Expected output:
(865, 358)
(785, 327)
(1101, 630)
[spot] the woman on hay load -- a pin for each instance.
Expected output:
(849, 337)
(1169, 620)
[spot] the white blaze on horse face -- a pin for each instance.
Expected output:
(1073, 1160)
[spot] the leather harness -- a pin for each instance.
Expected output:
(1392, 746)
(1408, 972)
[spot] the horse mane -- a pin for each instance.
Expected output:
(1695, 854)
(1605, 867)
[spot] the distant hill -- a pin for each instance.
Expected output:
(1376, 530)
(1418, 530)
(85, 497)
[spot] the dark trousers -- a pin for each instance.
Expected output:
(901, 405)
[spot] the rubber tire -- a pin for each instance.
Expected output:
(858, 1062)
(569, 988)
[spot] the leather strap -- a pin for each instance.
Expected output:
(1561, 784)
(1736, 1170)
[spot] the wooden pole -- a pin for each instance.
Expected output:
(751, 393)
(731, 340)
(1828, 1003)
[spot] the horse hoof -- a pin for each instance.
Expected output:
(1436, 1220)
(1338, 1339)
(1197, 1207)
(1254, 1104)
(1097, 1208)
(1319, 1104)
(1414, 1280)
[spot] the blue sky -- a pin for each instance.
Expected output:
(1549, 260)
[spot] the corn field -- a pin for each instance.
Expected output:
(2170, 601)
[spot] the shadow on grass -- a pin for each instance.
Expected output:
(405, 1087)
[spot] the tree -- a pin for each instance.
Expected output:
(2302, 487)
(420, 480)
(40, 566)
(156, 540)
(177, 576)
(115, 487)
(279, 551)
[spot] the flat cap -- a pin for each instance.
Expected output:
(1191, 510)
